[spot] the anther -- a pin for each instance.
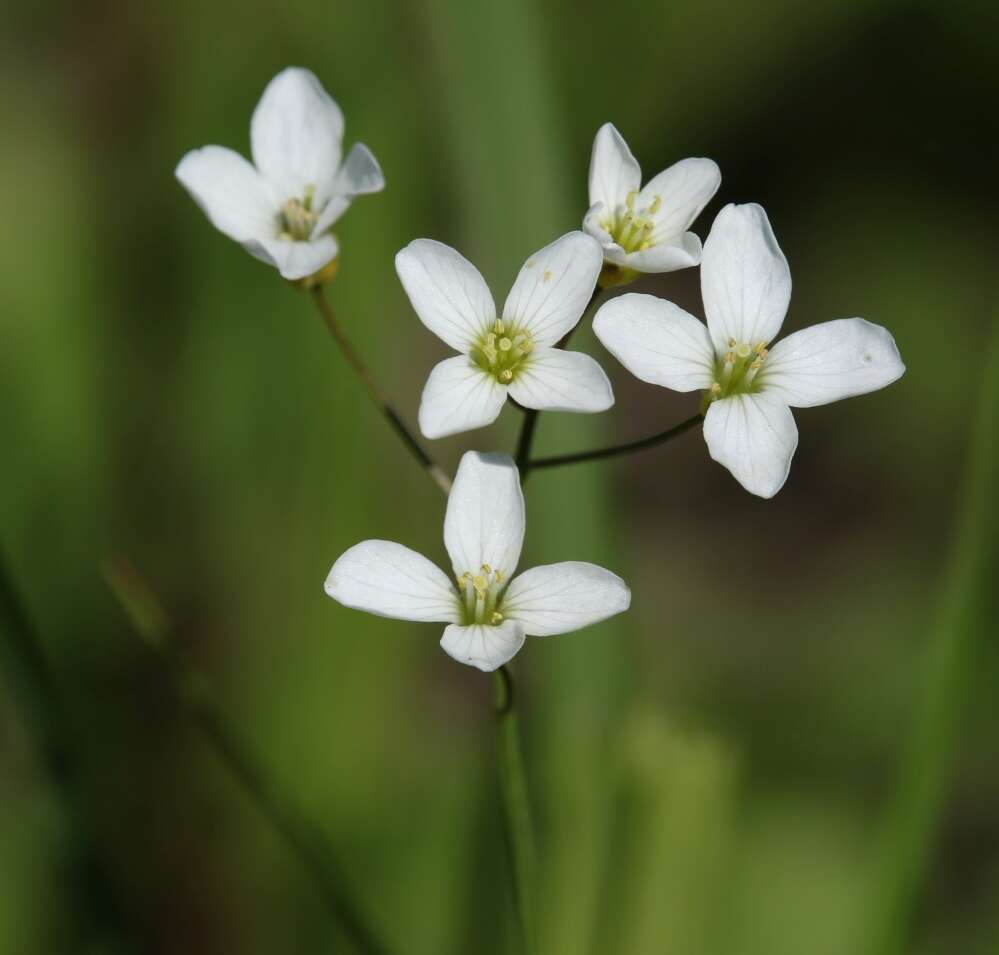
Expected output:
(506, 375)
(630, 199)
(656, 205)
(731, 343)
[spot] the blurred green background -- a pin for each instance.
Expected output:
(743, 764)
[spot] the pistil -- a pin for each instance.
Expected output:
(634, 231)
(480, 595)
(736, 370)
(298, 220)
(502, 351)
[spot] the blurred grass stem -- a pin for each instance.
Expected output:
(437, 474)
(516, 807)
(147, 616)
(100, 914)
(953, 656)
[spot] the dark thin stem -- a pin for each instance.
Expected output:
(617, 449)
(516, 806)
(301, 835)
(525, 441)
(437, 474)
(33, 680)
(523, 455)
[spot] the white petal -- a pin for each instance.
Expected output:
(831, 361)
(487, 648)
(359, 175)
(613, 170)
(681, 253)
(459, 396)
(754, 436)
(390, 580)
(230, 192)
(656, 341)
(554, 286)
(745, 281)
(295, 260)
(484, 523)
(447, 291)
(560, 598)
(557, 380)
(296, 134)
(683, 190)
(593, 225)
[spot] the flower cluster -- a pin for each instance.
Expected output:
(282, 208)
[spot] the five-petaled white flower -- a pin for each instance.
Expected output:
(281, 207)
(488, 610)
(645, 230)
(514, 354)
(749, 388)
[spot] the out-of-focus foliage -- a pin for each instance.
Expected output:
(711, 771)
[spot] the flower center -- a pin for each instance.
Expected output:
(297, 219)
(502, 351)
(479, 595)
(737, 371)
(634, 230)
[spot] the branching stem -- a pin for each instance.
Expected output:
(437, 473)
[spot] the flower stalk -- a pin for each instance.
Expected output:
(435, 471)
(522, 456)
(616, 450)
(516, 807)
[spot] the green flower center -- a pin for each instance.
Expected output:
(634, 230)
(502, 351)
(480, 595)
(297, 219)
(737, 371)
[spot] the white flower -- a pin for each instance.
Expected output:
(514, 354)
(749, 388)
(281, 207)
(645, 230)
(488, 613)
